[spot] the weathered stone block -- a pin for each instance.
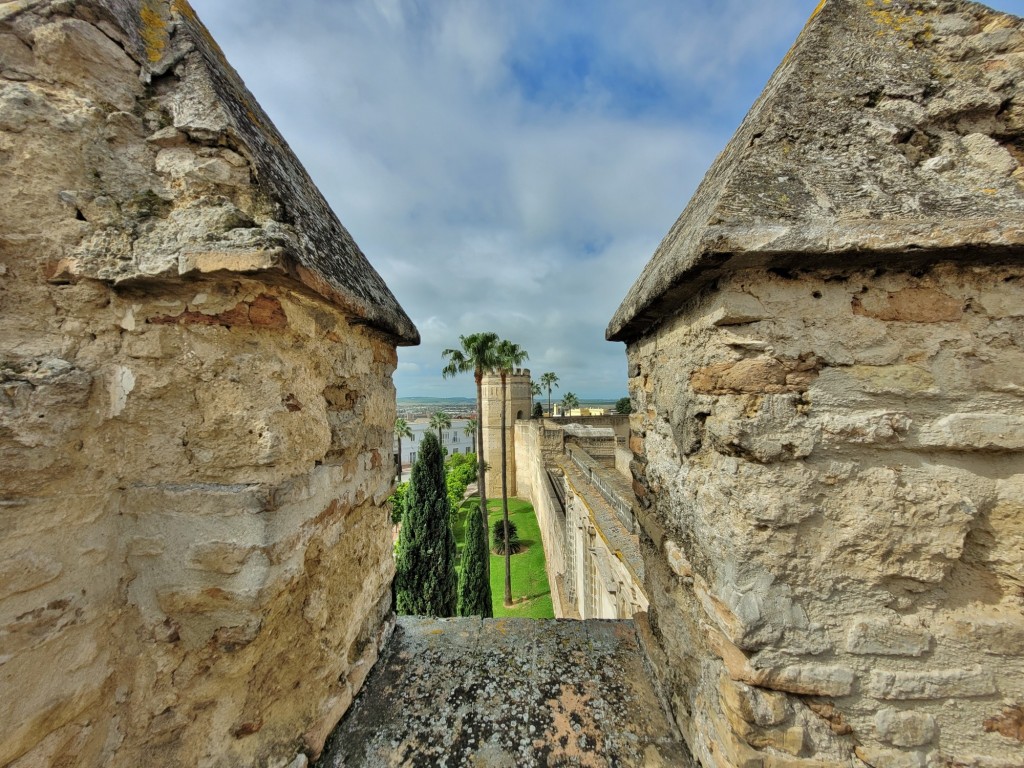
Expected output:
(26, 571)
(677, 561)
(765, 375)
(891, 483)
(808, 679)
(735, 308)
(76, 53)
(905, 380)
(145, 424)
(879, 636)
(910, 305)
(879, 757)
(754, 705)
(1000, 635)
(905, 728)
(974, 432)
(933, 684)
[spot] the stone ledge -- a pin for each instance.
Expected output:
(508, 692)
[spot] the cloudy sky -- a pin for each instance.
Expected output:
(508, 165)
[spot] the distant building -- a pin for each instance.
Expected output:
(560, 411)
(453, 440)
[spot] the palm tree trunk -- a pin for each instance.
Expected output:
(549, 401)
(399, 459)
(481, 484)
(504, 499)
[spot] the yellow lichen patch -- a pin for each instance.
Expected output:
(182, 8)
(153, 31)
(890, 19)
(817, 10)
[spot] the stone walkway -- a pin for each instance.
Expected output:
(620, 541)
(505, 693)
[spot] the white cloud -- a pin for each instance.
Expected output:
(483, 207)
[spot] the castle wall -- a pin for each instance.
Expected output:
(535, 446)
(616, 421)
(623, 458)
(831, 482)
(195, 563)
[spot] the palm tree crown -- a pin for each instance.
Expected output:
(470, 431)
(478, 354)
(440, 420)
(549, 380)
(402, 429)
(510, 356)
(570, 401)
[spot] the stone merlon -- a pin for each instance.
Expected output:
(890, 127)
(222, 163)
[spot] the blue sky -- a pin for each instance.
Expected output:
(508, 166)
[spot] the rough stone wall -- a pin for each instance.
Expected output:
(194, 423)
(623, 458)
(193, 536)
(618, 422)
(601, 449)
(831, 479)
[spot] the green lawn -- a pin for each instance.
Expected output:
(529, 579)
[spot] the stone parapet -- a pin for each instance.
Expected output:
(826, 376)
(837, 516)
(196, 408)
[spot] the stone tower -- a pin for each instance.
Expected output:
(518, 406)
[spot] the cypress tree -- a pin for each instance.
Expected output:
(425, 561)
(474, 581)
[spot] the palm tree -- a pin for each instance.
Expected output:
(535, 391)
(470, 431)
(510, 356)
(549, 380)
(478, 354)
(402, 429)
(569, 401)
(440, 420)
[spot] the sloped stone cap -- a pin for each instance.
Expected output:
(891, 130)
(226, 192)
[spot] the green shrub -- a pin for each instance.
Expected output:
(460, 471)
(474, 590)
(498, 537)
(425, 580)
(397, 501)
